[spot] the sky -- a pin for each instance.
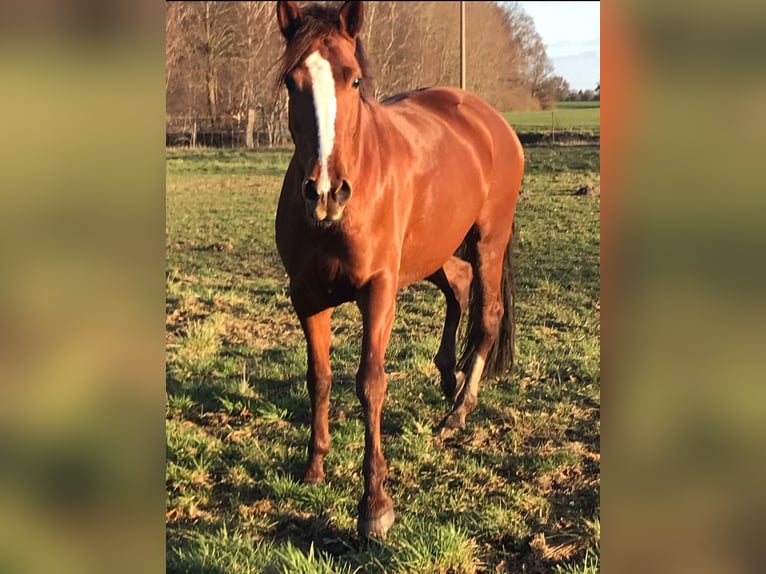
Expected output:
(571, 32)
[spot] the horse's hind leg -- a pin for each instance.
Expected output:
(488, 268)
(454, 280)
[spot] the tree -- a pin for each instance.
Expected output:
(217, 40)
(531, 62)
(259, 44)
(553, 90)
(221, 59)
(176, 14)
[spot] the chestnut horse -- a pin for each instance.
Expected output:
(377, 196)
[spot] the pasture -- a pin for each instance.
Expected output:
(516, 490)
(577, 117)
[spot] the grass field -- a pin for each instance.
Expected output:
(516, 491)
(579, 117)
(578, 105)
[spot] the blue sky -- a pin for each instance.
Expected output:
(571, 32)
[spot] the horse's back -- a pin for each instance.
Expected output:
(465, 120)
(451, 105)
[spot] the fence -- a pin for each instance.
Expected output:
(265, 132)
(255, 129)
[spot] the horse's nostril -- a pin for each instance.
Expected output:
(310, 190)
(343, 192)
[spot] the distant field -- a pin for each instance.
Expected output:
(569, 116)
(577, 105)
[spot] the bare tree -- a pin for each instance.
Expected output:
(218, 40)
(175, 19)
(532, 64)
(389, 47)
(258, 51)
(220, 59)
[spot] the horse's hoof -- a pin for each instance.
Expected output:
(313, 478)
(377, 527)
(452, 421)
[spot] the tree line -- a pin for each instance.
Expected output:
(221, 62)
(583, 95)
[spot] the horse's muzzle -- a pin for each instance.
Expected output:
(325, 207)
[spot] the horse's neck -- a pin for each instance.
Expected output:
(375, 134)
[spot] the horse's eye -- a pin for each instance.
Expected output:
(357, 81)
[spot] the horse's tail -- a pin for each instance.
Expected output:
(501, 355)
(503, 352)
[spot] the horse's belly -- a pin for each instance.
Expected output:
(428, 245)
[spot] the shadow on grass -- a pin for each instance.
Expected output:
(342, 544)
(211, 390)
(318, 531)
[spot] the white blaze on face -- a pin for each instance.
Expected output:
(323, 86)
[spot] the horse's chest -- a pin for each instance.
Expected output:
(331, 263)
(330, 278)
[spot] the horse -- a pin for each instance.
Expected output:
(379, 195)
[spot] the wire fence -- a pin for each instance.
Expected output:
(226, 132)
(259, 130)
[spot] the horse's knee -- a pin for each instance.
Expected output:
(319, 384)
(445, 360)
(371, 383)
(491, 318)
(460, 276)
(319, 445)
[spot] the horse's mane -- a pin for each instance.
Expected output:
(318, 21)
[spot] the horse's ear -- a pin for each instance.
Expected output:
(289, 18)
(351, 17)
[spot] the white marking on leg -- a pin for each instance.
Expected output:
(477, 369)
(323, 86)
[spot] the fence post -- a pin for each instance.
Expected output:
(194, 134)
(250, 128)
(553, 128)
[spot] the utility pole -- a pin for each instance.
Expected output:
(462, 45)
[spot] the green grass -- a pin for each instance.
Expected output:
(579, 117)
(518, 489)
(578, 105)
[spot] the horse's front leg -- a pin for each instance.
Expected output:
(316, 328)
(377, 302)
